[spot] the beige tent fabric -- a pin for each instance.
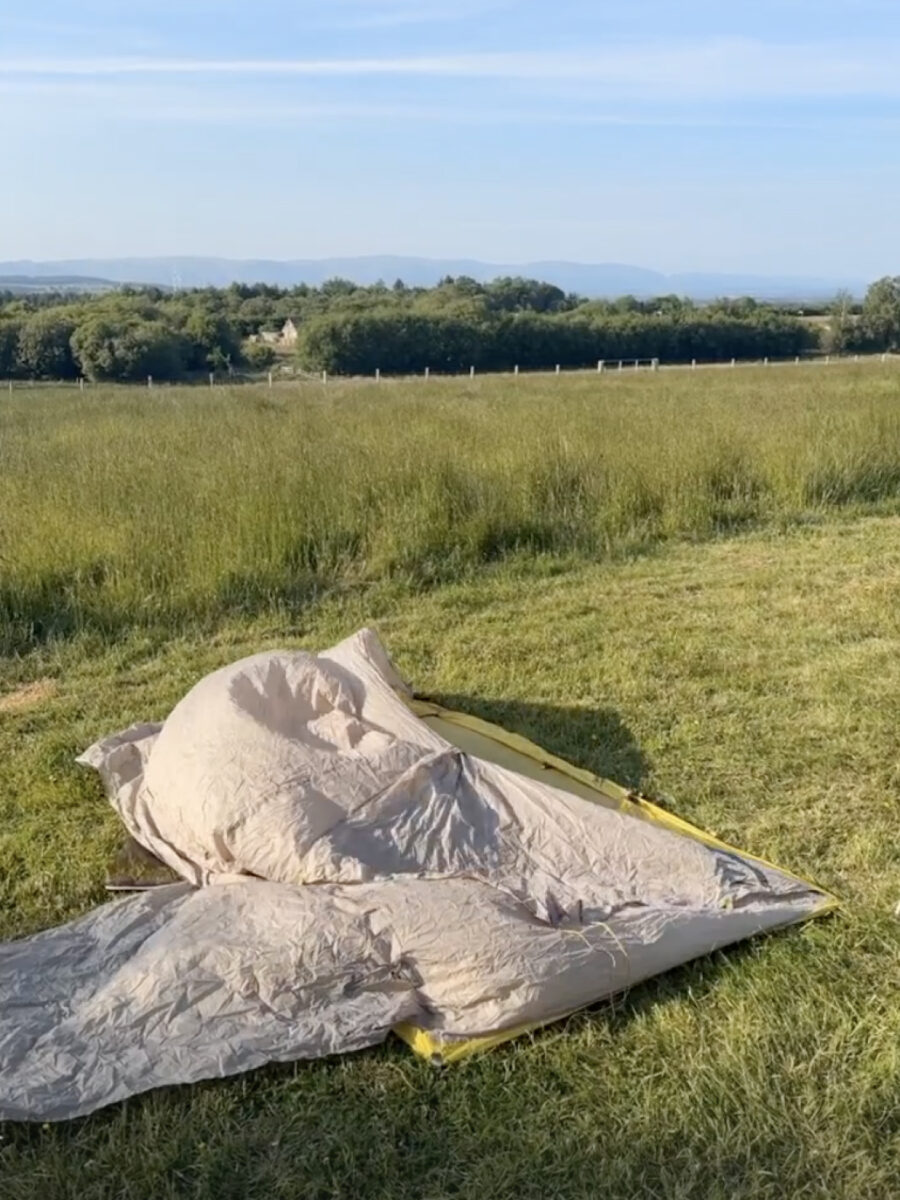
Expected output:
(346, 868)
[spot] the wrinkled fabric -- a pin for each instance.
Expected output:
(346, 869)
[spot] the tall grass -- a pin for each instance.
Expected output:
(122, 507)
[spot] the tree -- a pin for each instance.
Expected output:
(213, 342)
(9, 347)
(881, 313)
(255, 313)
(839, 337)
(521, 295)
(627, 304)
(671, 303)
(44, 350)
(338, 287)
(106, 349)
(259, 357)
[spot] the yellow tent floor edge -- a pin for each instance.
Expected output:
(438, 1051)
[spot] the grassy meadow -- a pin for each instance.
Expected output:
(686, 581)
(122, 506)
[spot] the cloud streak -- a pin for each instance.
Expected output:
(179, 104)
(714, 69)
(355, 15)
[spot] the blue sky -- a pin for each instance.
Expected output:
(676, 134)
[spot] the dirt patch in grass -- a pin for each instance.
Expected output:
(29, 695)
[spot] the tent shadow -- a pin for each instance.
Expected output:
(596, 739)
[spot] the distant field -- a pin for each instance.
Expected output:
(688, 582)
(122, 507)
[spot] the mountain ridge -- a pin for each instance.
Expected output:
(601, 280)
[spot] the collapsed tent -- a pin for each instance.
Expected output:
(353, 861)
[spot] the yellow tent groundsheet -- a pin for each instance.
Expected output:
(350, 861)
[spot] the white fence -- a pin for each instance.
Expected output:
(615, 367)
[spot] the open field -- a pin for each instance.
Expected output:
(179, 507)
(692, 589)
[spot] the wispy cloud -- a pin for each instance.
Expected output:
(374, 14)
(176, 102)
(375, 11)
(230, 113)
(713, 69)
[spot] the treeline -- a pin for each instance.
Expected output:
(345, 329)
(125, 336)
(408, 342)
(461, 323)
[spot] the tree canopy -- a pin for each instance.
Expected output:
(350, 329)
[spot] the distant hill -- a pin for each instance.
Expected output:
(587, 279)
(24, 284)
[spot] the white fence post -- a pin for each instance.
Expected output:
(81, 384)
(797, 360)
(471, 372)
(599, 366)
(10, 387)
(557, 368)
(734, 362)
(693, 364)
(827, 359)
(654, 364)
(427, 373)
(766, 361)
(270, 379)
(324, 376)
(620, 364)
(516, 369)
(378, 374)
(149, 381)
(212, 378)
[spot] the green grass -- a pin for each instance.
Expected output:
(750, 670)
(124, 506)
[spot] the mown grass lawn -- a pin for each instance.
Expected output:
(754, 680)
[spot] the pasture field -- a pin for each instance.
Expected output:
(688, 583)
(123, 507)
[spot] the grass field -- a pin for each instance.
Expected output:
(689, 585)
(177, 506)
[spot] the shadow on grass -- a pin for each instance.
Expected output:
(64, 605)
(61, 605)
(596, 739)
